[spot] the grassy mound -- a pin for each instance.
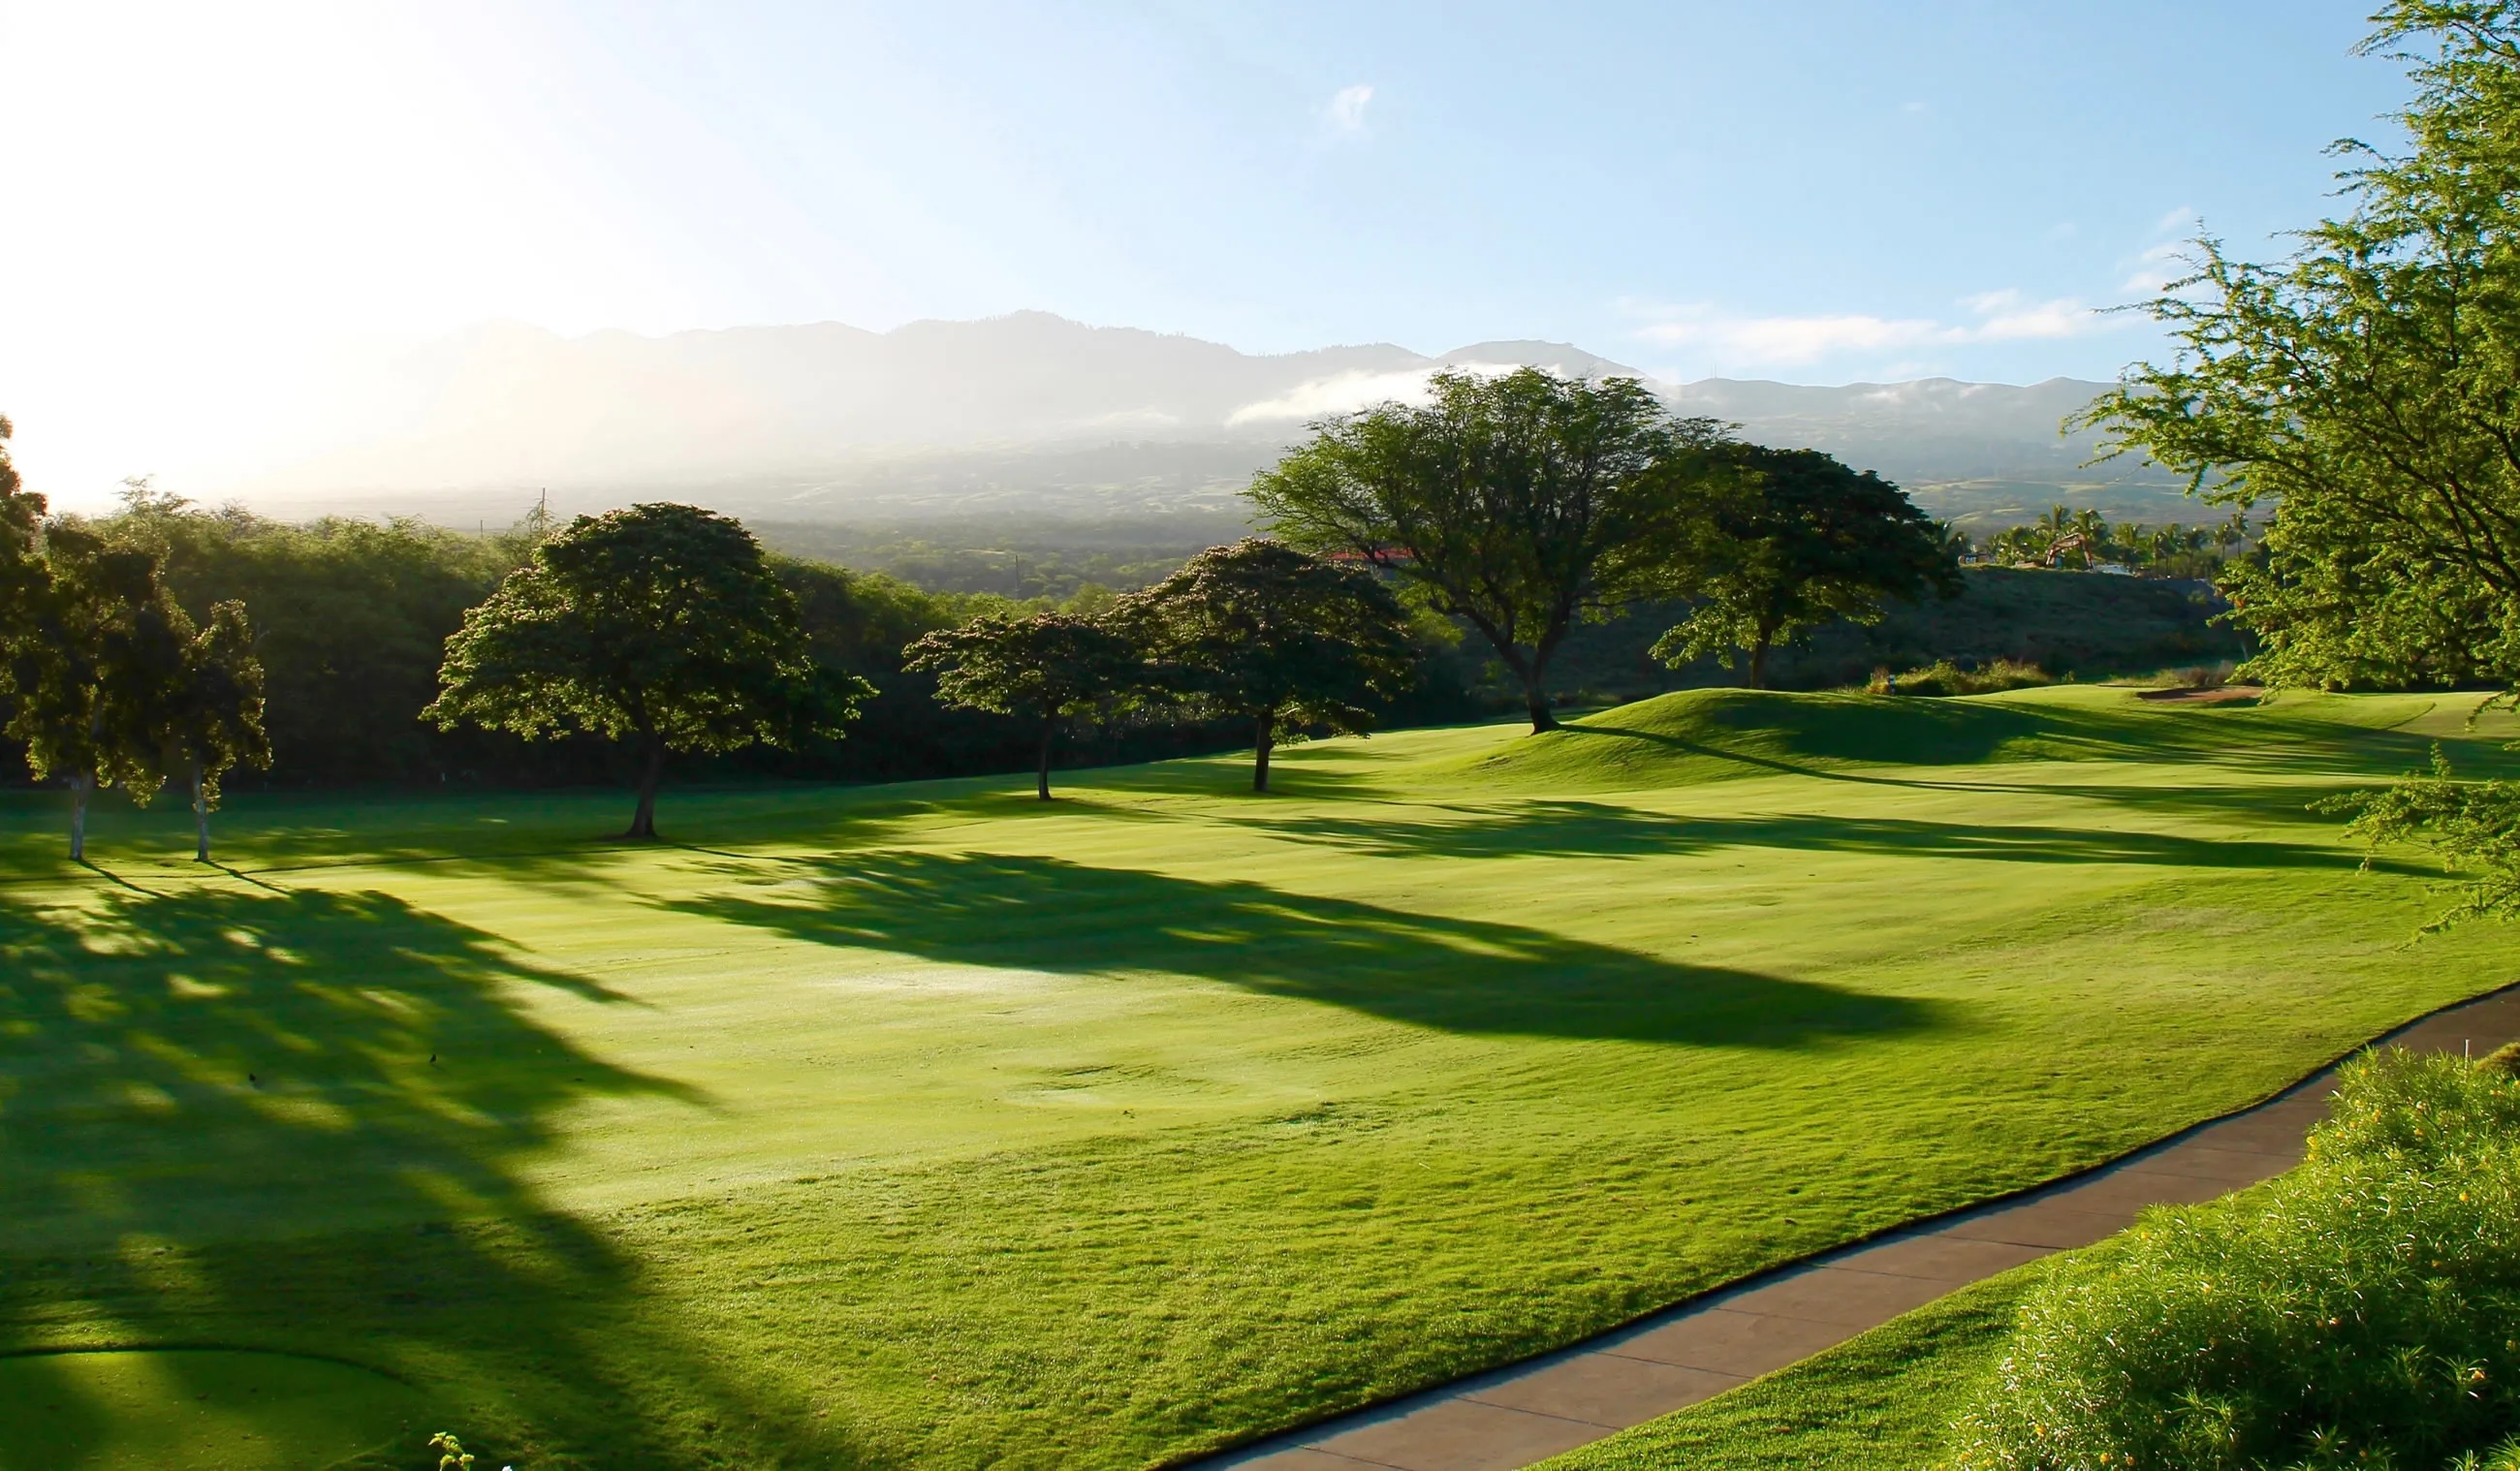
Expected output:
(2360, 1310)
(1711, 734)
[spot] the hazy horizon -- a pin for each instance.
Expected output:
(220, 218)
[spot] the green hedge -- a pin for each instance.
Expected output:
(2362, 1310)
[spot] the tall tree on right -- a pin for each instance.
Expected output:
(1790, 540)
(2367, 388)
(1518, 503)
(2365, 393)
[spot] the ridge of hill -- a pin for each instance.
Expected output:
(1699, 736)
(1028, 413)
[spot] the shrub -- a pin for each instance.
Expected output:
(2362, 1310)
(1942, 678)
(2199, 676)
(2504, 1059)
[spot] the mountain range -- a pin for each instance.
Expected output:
(1036, 415)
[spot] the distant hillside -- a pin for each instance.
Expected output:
(1028, 414)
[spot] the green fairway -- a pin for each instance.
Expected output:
(933, 1125)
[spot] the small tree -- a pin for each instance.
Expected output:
(91, 670)
(661, 625)
(1044, 670)
(1518, 503)
(215, 720)
(1263, 632)
(1797, 540)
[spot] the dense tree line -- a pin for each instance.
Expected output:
(2084, 539)
(1516, 507)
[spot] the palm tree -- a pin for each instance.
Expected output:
(2094, 532)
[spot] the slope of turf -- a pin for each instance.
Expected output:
(931, 1125)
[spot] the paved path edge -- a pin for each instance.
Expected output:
(1296, 1437)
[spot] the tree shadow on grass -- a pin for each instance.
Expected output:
(1601, 829)
(221, 1124)
(1456, 975)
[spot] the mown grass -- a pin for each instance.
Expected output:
(1883, 1400)
(931, 1125)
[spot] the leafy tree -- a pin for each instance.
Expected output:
(1519, 503)
(2475, 824)
(90, 672)
(2367, 387)
(1793, 541)
(1046, 670)
(21, 565)
(1262, 631)
(215, 718)
(661, 625)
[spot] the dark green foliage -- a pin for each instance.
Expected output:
(1520, 505)
(2362, 1310)
(1263, 633)
(1787, 540)
(215, 718)
(1044, 670)
(2504, 1059)
(2474, 824)
(351, 620)
(96, 668)
(2369, 388)
(659, 625)
(2072, 625)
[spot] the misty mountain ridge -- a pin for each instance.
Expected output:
(1032, 414)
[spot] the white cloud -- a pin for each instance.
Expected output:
(1343, 393)
(1346, 110)
(1347, 392)
(2004, 316)
(2156, 268)
(2182, 219)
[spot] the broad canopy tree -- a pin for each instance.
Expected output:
(2367, 389)
(1787, 540)
(93, 669)
(661, 625)
(1518, 503)
(1262, 631)
(1046, 670)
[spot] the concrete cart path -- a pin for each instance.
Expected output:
(1530, 1412)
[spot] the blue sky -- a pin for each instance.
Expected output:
(1815, 192)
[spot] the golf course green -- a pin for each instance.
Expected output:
(935, 1125)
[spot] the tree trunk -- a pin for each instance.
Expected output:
(79, 785)
(1048, 728)
(200, 816)
(643, 823)
(1534, 687)
(1264, 736)
(1759, 661)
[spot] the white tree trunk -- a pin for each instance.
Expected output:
(79, 785)
(200, 816)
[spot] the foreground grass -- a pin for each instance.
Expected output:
(933, 1125)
